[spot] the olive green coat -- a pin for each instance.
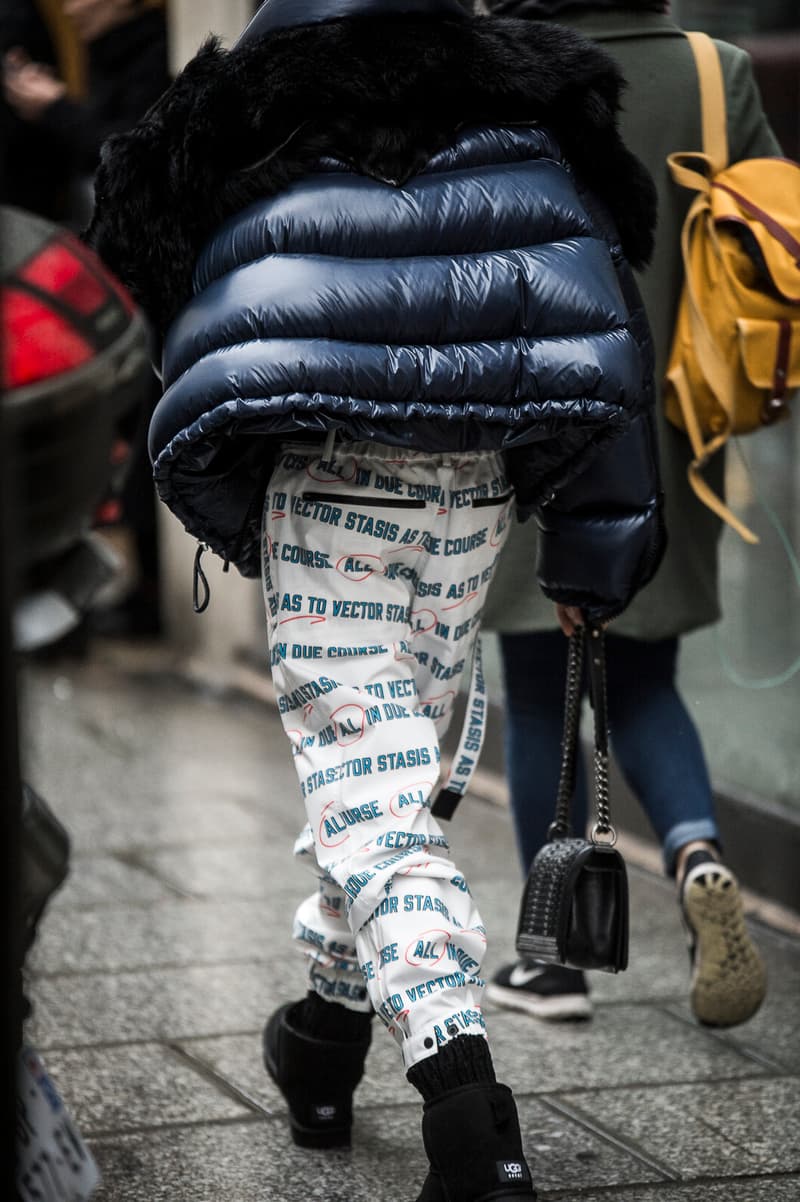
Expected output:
(661, 114)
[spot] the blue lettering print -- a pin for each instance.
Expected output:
(388, 954)
(412, 757)
(355, 883)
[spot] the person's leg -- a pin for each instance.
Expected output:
(534, 677)
(315, 1048)
(657, 744)
(341, 579)
(660, 754)
(534, 680)
(470, 1125)
(343, 622)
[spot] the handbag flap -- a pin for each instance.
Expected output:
(597, 937)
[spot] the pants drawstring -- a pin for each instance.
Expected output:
(470, 744)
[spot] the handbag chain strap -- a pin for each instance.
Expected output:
(596, 645)
(561, 826)
(591, 639)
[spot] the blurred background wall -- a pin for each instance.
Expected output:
(190, 21)
(770, 31)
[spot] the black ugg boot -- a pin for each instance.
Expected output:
(317, 1075)
(470, 1127)
(474, 1146)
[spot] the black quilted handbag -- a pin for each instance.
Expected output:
(575, 904)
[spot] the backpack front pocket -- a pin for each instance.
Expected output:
(770, 353)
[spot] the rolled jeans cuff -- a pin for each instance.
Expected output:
(688, 832)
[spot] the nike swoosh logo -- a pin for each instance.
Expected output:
(520, 975)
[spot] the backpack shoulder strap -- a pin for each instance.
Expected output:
(712, 98)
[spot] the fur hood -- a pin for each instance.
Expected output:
(383, 94)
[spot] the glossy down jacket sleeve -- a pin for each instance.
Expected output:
(602, 536)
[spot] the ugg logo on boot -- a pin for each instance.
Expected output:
(512, 1170)
(325, 1113)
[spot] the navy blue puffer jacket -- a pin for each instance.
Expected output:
(480, 300)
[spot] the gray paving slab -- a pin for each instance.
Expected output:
(235, 870)
(103, 880)
(768, 1189)
(774, 1032)
(623, 1045)
(161, 817)
(119, 938)
(256, 1160)
(124, 1088)
(566, 1156)
(783, 963)
(533, 1057)
(241, 1162)
(762, 1117)
(237, 1060)
(100, 1008)
(108, 750)
(724, 1129)
(183, 808)
(772, 1035)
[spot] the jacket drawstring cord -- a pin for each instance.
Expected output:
(200, 605)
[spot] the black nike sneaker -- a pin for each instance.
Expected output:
(546, 991)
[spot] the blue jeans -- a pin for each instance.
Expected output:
(653, 738)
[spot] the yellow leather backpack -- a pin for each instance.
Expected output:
(736, 350)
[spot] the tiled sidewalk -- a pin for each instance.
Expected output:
(160, 959)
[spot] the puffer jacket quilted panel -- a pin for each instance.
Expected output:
(454, 210)
(561, 289)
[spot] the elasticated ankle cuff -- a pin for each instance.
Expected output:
(330, 1020)
(464, 1061)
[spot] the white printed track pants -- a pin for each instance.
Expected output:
(375, 573)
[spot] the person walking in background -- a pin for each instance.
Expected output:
(32, 177)
(378, 237)
(115, 52)
(653, 736)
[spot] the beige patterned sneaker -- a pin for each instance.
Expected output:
(728, 976)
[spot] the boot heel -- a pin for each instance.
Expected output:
(331, 1137)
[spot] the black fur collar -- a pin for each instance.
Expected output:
(382, 93)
